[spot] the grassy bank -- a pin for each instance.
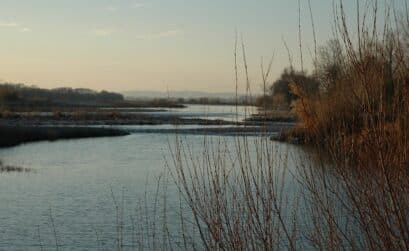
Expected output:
(15, 135)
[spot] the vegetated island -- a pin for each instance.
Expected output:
(30, 114)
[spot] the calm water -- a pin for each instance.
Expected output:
(71, 185)
(212, 112)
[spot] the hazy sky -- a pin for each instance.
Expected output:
(148, 45)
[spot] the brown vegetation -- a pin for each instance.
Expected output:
(364, 94)
(361, 118)
(355, 194)
(13, 169)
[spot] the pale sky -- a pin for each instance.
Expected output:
(124, 45)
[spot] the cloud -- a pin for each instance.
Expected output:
(14, 25)
(9, 24)
(169, 33)
(111, 8)
(137, 5)
(163, 34)
(25, 29)
(102, 32)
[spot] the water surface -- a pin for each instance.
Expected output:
(71, 183)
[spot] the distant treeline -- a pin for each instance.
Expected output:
(15, 94)
(161, 102)
(241, 100)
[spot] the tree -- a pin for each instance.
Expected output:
(8, 94)
(281, 87)
(329, 65)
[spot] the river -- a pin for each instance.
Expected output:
(71, 190)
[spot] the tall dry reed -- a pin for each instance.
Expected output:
(356, 192)
(360, 117)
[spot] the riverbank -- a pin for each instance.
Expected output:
(104, 118)
(16, 135)
(270, 130)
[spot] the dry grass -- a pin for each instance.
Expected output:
(235, 195)
(355, 195)
(361, 121)
(13, 169)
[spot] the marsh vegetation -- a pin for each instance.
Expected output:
(345, 188)
(354, 111)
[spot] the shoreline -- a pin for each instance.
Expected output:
(270, 130)
(19, 128)
(16, 135)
